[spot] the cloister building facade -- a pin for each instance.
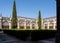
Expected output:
(29, 23)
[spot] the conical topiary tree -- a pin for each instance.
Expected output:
(14, 16)
(39, 20)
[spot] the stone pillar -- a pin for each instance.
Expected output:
(9, 24)
(48, 24)
(0, 22)
(31, 24)
(54, 25)
(18, 24)
(36, 26)
(42, 27)
(25, 24)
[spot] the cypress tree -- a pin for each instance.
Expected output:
(39, 20)
(14, 16)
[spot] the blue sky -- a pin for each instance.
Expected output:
(29, 8)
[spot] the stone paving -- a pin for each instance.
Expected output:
(4, 38)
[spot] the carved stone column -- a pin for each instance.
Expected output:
(10, 23)
(18, 24)
(31, 24)
(48, 24)
(0, 22)
(54, 25)
(36, 26)
(25, 24)
(42, 27)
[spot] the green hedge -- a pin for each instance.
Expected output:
(42, 34)
(35, 34)
(22, 34)
(0, 29)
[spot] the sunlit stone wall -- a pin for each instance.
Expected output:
(29, 23)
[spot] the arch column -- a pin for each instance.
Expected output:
(25, 24)
(48, 24)
(9, 24)
(18, 24)
(31, 24)
(42, 25)
(54, 25)
(0, 22)
(36, 26)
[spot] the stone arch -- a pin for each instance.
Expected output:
(51, 25)
(27, 24)
(33, 24)
(5, 24)
(21, 24)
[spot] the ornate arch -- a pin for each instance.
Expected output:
(33, 24)
(21, 23)
(27, 24)
(5, 24)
